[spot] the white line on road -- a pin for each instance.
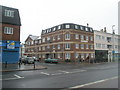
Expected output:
(64, 71)
(79, 71)
(18, 76)
(56, 74)
(79, 86)
(44, 73)
(9, 78)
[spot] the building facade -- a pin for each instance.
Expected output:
(32, 44)
(106, 46)
(22, 51)
(10, 34)
(67, 41)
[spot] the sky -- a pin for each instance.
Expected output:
(37, 15)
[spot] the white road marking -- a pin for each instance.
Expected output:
(44, 73)
(9, 78)
(18, 76)
(87, 84)
(78, 71)
(64, 71)
(56, 74)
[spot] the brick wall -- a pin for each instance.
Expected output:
(16, 33)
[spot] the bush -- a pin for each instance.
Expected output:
(67, 60)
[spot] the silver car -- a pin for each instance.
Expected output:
(28, 60)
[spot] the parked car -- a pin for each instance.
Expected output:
(36, 59)
(50, 60)
(28, 60)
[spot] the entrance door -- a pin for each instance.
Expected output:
(53, 55)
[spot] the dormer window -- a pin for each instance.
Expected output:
(59, 27)
(76, 26)
(67, 26)
(44, 31)
(86, 29)
(54, 29)
(50, 30)
(82, 28)
(91, 30)
(9, 13)
(47, 30)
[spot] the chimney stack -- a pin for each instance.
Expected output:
(87, 25)
(105, 29)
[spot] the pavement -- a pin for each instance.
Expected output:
(22, 67)
(38, 66)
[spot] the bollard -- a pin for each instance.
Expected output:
(6, 64)
(19, 64)
(34, 64)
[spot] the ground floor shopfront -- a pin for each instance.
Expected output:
(9, 51)
(106, 56)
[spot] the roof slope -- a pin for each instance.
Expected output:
(32, 37)
(8, 20)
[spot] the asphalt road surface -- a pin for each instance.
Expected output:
(67, 76)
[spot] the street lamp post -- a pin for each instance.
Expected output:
(113, 40)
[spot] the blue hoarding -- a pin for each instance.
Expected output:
(10, 51)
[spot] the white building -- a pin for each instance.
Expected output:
(106, 44)
(22, 50)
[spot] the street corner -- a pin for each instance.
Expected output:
(25, 68)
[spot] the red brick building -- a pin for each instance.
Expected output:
(9, 34)
(67, 41)
(32, 46)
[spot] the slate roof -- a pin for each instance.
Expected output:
(33, 37)
(8, 20)
(63, 26)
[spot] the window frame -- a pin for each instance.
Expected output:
(87, 46)
(67, 46)
(54, 29)
(86, 29)
(87, 38)
(76, 27)
(81, 27)
(58, 37)
(67, 36)
(82, 37)
(67, 26)
(43, 40)
(59, 56)
(58, 46)
(76, 55)
(67, 56)
(82, 46)
(77, 46)
(8, 30)
(76, 36)
(59, 27)
(9, 13)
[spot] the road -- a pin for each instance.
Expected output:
(67, 76)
